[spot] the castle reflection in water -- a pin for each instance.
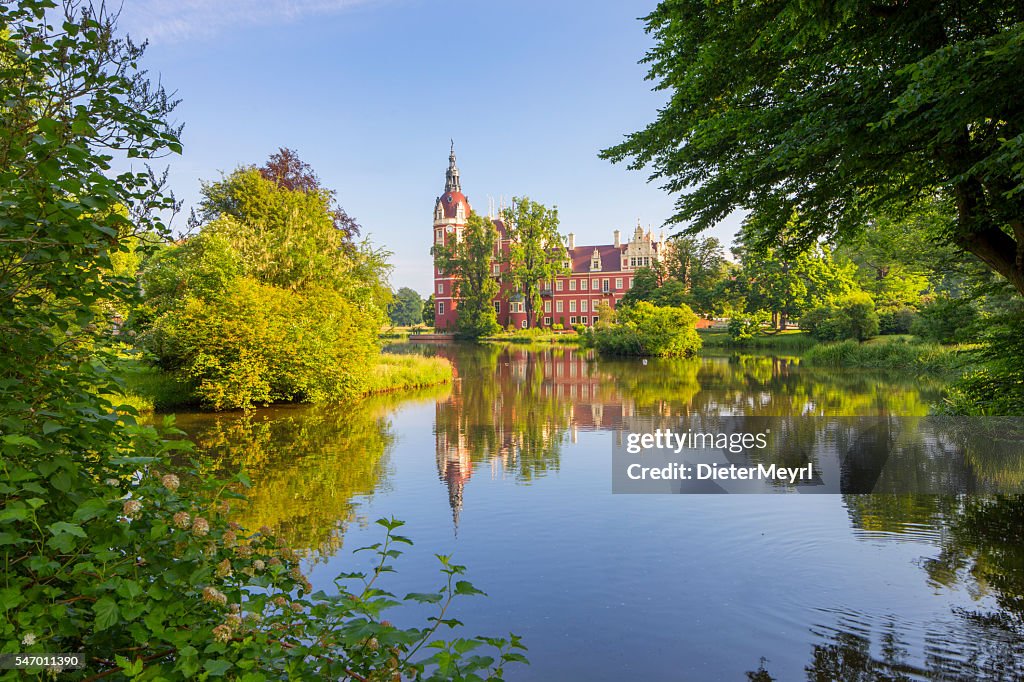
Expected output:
(513, 409)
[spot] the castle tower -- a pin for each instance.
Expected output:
(451, 210)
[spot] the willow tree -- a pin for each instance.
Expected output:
(839, 111)
(536, 253)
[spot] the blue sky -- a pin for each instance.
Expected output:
(370, 91)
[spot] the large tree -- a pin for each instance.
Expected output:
(838, 111)
(407, 308)
(536, 253)
(468, 259)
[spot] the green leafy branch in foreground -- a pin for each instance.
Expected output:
(152, 581)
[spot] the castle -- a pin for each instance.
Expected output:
(596, 273)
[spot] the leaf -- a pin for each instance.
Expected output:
(64, 527)
(465, 587)
(424, 597)
(217, 667)
(107, 613)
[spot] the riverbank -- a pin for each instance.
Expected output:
(893, 353)
(789, 342)
(148, 389)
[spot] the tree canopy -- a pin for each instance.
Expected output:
(536, 253)
(839, 111)
(468, 259)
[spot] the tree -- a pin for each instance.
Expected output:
(699, 265)
(288, 171)
(269, 302)
(407, 308)
(788, 278)
(428, 311)
(468, 259)
(839, 111)
(536, 252)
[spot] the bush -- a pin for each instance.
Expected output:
(259, 344)
(853, 317)
(645, 329)
(897, 355)
(896, 320)
(946, 320)
(746, 326)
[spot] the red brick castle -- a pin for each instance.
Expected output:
(597, 273)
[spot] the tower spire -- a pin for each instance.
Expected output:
(451, 176)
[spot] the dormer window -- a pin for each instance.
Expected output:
(460, 211)
(439, 213)
(595, 261)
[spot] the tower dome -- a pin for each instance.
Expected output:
(453, 204)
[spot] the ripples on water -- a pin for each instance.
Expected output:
(509, 469)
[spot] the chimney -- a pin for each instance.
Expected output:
(618, 240)
(572, 241)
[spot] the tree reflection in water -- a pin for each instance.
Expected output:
(308, 465)
(980, 544)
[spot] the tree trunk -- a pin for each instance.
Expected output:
(978, 235)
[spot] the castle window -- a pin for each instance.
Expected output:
(547, 323)
(572, 306)
(558, 285)
(583, 306)
(583, 284)
(523, 325)
(460, 211)
(604, 286)
(572, 285)
(547, 306)
(440, 287)
(438, 236)
(618, 283)
(572, 368)
(496, 269)
(558, 306)
(497, 307)
(440, 307)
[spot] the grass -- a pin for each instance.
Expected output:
(533, 336)
(789, 341)
(401, 372)
(896, 353)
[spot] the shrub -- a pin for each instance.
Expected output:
(897, 355)
(259, 344)
(746, 326)
(896, 320)
(645, 329)
(946, 320)
(853, 317)
(996, 386)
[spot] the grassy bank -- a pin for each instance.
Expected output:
(401, 372)
(533, 336)
(148, 389)
(896, 354)
(791, 341)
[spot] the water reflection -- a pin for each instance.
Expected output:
(937, 583)
(309, 466)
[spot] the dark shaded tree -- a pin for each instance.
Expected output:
(838, 111)
(407, 308)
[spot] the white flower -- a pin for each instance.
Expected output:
(29, 639)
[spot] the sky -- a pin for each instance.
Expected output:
(369, 93)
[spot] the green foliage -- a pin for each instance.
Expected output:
(786, 278)
(536, 253)
(946, 320)
(896, 320)
(746, 326)
(645, 329)
(259, 344)
(835, 111)
(407, 308)
(468, 259)
(269, 302)
(995, 386)
(429, 306)
(893, 355)
(851, 317)
(103, 549)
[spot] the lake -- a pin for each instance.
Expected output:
(509, 470)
